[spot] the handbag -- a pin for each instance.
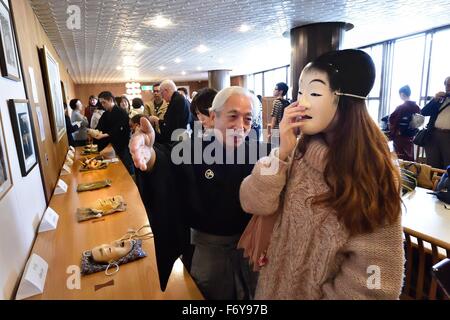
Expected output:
(422, 137)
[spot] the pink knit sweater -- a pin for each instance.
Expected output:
(311, 255)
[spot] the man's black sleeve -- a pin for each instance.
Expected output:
(157, 190)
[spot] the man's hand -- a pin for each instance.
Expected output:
(154, 120)
(439, 95)
(141, 145)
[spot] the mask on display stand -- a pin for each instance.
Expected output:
(124, 250)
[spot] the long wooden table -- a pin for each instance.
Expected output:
(63, 247)
(426, 217)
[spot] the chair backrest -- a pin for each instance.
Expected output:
(421, 254)
(441, 271)
(427, 176)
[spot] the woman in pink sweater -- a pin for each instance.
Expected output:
(335, 194)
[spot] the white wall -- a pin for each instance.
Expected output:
(22, 207)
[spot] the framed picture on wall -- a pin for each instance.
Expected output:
(52, 84)
(22, 123)
(5, 172)
(9, 63)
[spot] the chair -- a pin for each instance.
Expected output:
(427, 176)
(426, 252)
(441, 272)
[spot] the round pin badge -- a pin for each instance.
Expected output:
(209, 174)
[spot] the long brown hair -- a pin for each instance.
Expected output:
(360, 173)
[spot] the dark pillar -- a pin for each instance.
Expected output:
(218, 79)
(310, 41)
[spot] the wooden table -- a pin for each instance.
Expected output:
(63, 247)
(426, 217)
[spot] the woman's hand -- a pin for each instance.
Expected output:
(289, 130)
(141, 145)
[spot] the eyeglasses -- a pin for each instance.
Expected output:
(155, 91)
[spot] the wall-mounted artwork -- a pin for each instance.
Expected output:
(52, 84)
(9, 63)
(22, 124)
(5, 172)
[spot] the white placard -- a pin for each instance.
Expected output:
(66, 170)
(113, 160)
(33, 85)
(68, 161)
(49, 220)
(70, 154)
(61, 187)
(72, 148)
(41, 123)
(33, 279)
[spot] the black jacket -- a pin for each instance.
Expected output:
(70, 129)
(184, 196)
(177, 117)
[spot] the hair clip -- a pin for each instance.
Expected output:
(350, 95)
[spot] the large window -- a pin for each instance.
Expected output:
(373, 101)
(271, 78)
(407, 69)
(440, 62)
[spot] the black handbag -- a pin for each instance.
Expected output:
(422, 137)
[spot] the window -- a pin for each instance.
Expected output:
(440, 62)
(271, 78)
(373, 101)
(258, 84)
(407, 69)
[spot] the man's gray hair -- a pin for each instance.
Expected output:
(224, 94)
(168, 84)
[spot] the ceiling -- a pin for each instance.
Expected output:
(116, 40)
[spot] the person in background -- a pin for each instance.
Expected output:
(97, 115)
(193, 95)
(183, 91)
(157, 106)
(437, 147)
(137, 107)
(80, 136)
(116, 129)
(399, 123)
(177, 115)
(335, 193)
(279, 92)
(91, 107)
(124, 103)
(70, 128)
(135, 122)
(200, 107)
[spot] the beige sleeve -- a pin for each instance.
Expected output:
(373, 267)
(260, 192)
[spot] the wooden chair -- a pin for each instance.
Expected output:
(428, 177)
(419, 284)
(421, 156)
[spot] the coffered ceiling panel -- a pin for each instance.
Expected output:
(104, 41)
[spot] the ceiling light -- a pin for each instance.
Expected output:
(183, 73)
(160, 22)
(162, 68)
(199, 68)
(177, 60)
(139, 46)
(221, 60)
(129, 61)
(202, 48)
(244, 28)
